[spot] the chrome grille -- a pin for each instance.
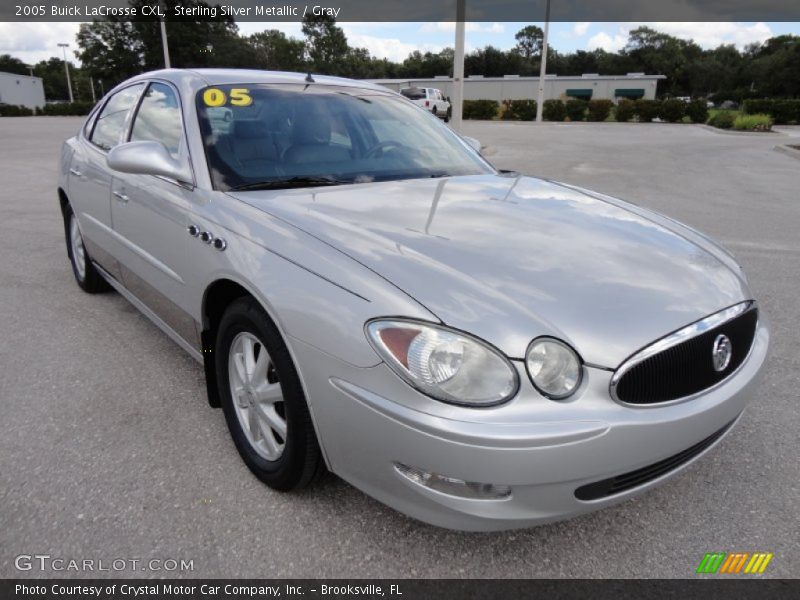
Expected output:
(682, 363)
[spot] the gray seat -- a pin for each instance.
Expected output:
(249, 148)
(312, 142)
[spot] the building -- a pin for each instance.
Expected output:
(21, 90)
(513, 87)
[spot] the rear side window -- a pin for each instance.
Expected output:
(159, 118)
(110, 123)
(413, 93)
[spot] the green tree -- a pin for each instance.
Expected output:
(11, 64)
(529, 41)
(774, 67)
(273, 50)
(326, 44)
(114, 49)
(110, 50)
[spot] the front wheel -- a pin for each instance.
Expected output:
(264, 404)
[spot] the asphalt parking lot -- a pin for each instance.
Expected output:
(109, 450)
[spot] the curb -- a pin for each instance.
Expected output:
(745, 133)
(788, 151)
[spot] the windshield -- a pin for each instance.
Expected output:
(323, 135)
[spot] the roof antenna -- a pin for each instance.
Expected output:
(310, 79)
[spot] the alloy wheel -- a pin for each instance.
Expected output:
(257, 396)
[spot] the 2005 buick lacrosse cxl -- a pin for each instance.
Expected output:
(477, 349)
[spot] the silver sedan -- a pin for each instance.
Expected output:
(475, 348)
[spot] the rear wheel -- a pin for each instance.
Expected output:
(86, 275)
(264, 404)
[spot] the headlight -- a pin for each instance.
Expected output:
(554, 368)
(444, 364)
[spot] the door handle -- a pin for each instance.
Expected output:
(76, 172)
(120, 196)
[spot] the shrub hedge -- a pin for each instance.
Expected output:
(63, 109)
(782, 111)
(697, 111)
(647, 110)
(626, 110)
(599, 110)
(66, 109)
(757, 122)
(554, 110)
(576, 109)
(12, 110)
(722, 120)
(519, 110)
(672, 110)
(480, 109)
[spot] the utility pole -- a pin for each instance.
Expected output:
(91, 84)
(457, 96)
(543, 65)
(66, 68)
(164, 44)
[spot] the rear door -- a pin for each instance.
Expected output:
(441, 103)
(150, 216)
(89, 187)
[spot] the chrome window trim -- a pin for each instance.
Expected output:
(673, 339)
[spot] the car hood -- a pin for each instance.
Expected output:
(512, 258)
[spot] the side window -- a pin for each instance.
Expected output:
(111, 122)
(159, 118)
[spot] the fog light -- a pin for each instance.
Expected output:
(452, 486)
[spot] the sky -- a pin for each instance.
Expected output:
(32, 42)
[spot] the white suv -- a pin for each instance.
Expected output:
(430, 99)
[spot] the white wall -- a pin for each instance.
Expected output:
(521, 88)
(21, 90)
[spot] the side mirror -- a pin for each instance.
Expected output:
(473, 143)
(148, 158)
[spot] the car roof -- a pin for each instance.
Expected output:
(200, 78)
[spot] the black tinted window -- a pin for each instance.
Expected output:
(413, 93)
(111, 122)
(159, 118)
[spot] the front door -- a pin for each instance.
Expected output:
(150, 215)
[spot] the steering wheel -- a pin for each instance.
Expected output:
(382, 146)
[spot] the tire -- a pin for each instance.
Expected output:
(284, 457)
(434, 112)
(86, 276)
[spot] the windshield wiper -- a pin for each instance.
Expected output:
(289, 182)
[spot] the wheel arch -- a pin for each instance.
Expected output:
(63, 200)
(218, 295)
(63, 203)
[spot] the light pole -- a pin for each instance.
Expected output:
(164, 45)
(66, 68)
(458, 68)
(543, 66)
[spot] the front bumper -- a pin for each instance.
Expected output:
(368, 420)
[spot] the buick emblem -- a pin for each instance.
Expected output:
(721, 353)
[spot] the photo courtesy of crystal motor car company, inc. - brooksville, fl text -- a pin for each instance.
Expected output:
(458, 299)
